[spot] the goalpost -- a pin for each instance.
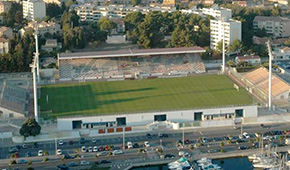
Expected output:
(236, 87)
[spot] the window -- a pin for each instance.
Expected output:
(197, 116)
(239, 112)
(159, 117)
(121, 121)
(77, 124)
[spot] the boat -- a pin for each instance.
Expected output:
(180, 164)
(204, 160)
(206, 164)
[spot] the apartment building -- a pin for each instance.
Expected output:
(230, 29)
(92, 13)
(217, 12)
(5, 6)
(33, 9)
(43, 27)
(275, 26)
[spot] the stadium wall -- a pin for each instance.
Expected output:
(209, 117)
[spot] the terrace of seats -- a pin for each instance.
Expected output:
(13, 97)
(117, 66)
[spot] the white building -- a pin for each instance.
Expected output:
(92, 13)
(43, 27)
(211, 117)
(230, 29)
(282, 54)
(275, 26)
(33, 9)
(217, 12)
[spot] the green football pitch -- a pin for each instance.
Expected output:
(131, 96)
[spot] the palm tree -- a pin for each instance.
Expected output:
(29, 164)
(222, 144)
(191, 147)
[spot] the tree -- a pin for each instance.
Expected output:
(236, 46)
(30, 128)
(220, 46)
(231, 63)
(106, 25)
(53, 10)
(287, 43)
(135, 2)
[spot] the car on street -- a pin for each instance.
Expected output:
(65, 155)
(84, 149)
(243, 147)
(28, 154)
(104, 153)
(148, 135)
(73, 164)
(129, 145)
(71, 142)
(90, 149)
(169, 156)
(105, 162)
(40, 153)
(24, 146)
(22, 161)
(213, 151)
(58, 152)
(62, 167)
(240, 141)
(60, 142)
(95, 149)
(147, 144)
(84, 163)
(94, 140)
(182, 153)
(82, 141)
(13, 150)
(117, 152)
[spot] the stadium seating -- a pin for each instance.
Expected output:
(124, 66)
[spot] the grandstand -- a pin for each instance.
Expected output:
(13, 100)
(130, 63)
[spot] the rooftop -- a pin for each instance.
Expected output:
(267, 18)
(131, 52)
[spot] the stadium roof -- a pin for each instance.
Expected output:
(260, 78)
(130, 52)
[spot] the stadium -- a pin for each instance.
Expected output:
(163, 86)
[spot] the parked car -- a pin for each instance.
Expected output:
(35, 145)
(82, 141)
(241, 141)
(40, 153)
(28, 154)
(105, 162)
(60, 142)
(85, 163)
(136, 145)
(186, 141)
(13, 150)
(94, 140)
(22, 161)
(169, 156)
(117, 152)
(90, 149)
(67, 156)
(129, 145)
(147, 144)
(246, 135)
(95, 149)
(71, 142)
(62, 167)
(72, 164)
(58, 152)
(24, 146)
(84, 149)
(148, 135)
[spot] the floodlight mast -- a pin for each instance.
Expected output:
(33, 70)
(224, 55)
(270, 74)
(36, 51)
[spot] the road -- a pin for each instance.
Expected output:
(168, 144)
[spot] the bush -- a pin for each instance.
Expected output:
(12, 162)
(44, 159)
